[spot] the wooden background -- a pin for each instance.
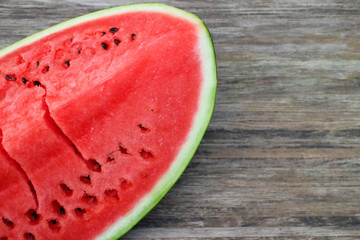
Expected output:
(280, 159)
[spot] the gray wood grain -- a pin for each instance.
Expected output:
(280, 159)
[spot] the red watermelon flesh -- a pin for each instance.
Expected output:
(94, 115)
(14, 185)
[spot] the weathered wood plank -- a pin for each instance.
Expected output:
(280, 159)
(247, 232)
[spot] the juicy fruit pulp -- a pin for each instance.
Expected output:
(92, 116)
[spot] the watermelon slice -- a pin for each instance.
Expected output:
(99, 116)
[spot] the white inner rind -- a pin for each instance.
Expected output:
(201, 119)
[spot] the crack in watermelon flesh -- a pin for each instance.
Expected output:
(93, 115)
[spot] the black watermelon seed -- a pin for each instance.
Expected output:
(45, 69)
(33, 216)
(24, 80)
(8, 223)
(143, 129)
(10, 77)
(58, 208)
(90, 199)
(37, 63)
(37, 83)
(54, 225)
(92, 164)
(29, 236)
(117, 41)
(85, 179)
(80, 212)
(105, 46)
(79, 50)
(68, 191)
(133, 36)
(114, 30)
(103, 33)
(62, 210)
(71, 39)
(67, 64)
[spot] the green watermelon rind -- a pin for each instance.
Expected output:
(201, 119)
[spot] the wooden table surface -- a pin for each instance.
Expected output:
(280, 159)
